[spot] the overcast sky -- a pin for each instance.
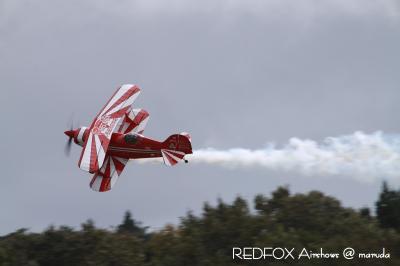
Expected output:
(232, 73)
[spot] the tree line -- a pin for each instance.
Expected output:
(311, 221)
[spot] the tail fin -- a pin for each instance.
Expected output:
(175, 148)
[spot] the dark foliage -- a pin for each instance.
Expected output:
(310, 221)
(131, 226)
(388, 208)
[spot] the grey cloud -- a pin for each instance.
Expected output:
(239, 74)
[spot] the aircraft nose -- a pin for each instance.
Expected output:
(69, 133)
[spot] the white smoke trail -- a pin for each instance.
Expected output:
(362, 156)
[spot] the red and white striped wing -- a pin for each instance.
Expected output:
(107, 176)
(172, 157)
(134, 121)
(96, 144)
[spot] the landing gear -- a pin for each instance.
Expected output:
(186, 161)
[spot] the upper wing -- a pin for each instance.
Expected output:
(107, 176)
(96, 144)
(134, 121)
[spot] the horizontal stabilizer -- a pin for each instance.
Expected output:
(172, 157)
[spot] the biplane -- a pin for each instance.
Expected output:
(116, 136)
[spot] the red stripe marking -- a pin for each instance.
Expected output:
(142, 115)
(108, 187)
(124, 97)
(171, 160)
(105, 184)
(107, 172)
(94, 120)
(120, 112)
(127, 120)
(83, 150)
(93, 179)
(177, 154)
(93, 156)
(104, 141)
(118, 165)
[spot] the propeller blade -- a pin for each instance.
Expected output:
(67, 149)
(68, 145)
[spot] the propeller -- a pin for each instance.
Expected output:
(68, 145)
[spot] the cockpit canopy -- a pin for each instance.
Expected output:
(131, 138)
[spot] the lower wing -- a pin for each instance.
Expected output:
(104, 179)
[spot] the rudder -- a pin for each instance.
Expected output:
(175, 148)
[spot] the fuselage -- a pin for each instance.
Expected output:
(136, 146)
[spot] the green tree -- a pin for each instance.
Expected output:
(307, 220)
(388, 208)
(131, 226)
